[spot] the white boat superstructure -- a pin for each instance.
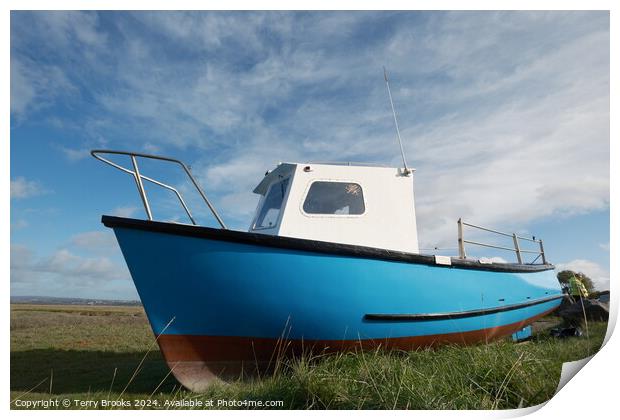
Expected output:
(350, 204)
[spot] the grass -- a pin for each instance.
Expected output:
(92, 354)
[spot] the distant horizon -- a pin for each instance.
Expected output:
(71, 298)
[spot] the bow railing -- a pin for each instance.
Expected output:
(139, 178)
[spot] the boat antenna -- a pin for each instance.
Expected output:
(400, 141)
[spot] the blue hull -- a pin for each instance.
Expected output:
(207, 287)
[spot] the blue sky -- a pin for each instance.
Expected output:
(504, 115)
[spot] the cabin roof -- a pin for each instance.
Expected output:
(285, 168)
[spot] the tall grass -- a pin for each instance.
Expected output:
(106, 356)
(497, 375)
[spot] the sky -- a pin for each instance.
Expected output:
(504, 115)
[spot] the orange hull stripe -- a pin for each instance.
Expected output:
(186, 348)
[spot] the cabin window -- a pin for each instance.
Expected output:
(338, 198)
(269, 213)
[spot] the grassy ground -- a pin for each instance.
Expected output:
(93, 354)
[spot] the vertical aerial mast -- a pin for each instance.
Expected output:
(400, 141)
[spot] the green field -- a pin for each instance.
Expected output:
(100, 353)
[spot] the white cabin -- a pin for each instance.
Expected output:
(349, 204)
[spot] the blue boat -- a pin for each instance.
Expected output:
(329, 263)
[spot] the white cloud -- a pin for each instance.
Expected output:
(34, 85)
(74, 155)
(124, 211)
(69, 28)
(65, 264)
(599, 276)
(19, 224)
(151, 148)
(21, 256)
(497, 260)
(64, 273)
(23, 91)
(95, 240)
(23, 188)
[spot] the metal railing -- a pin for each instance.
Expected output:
(138, 177)
(515, 238)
